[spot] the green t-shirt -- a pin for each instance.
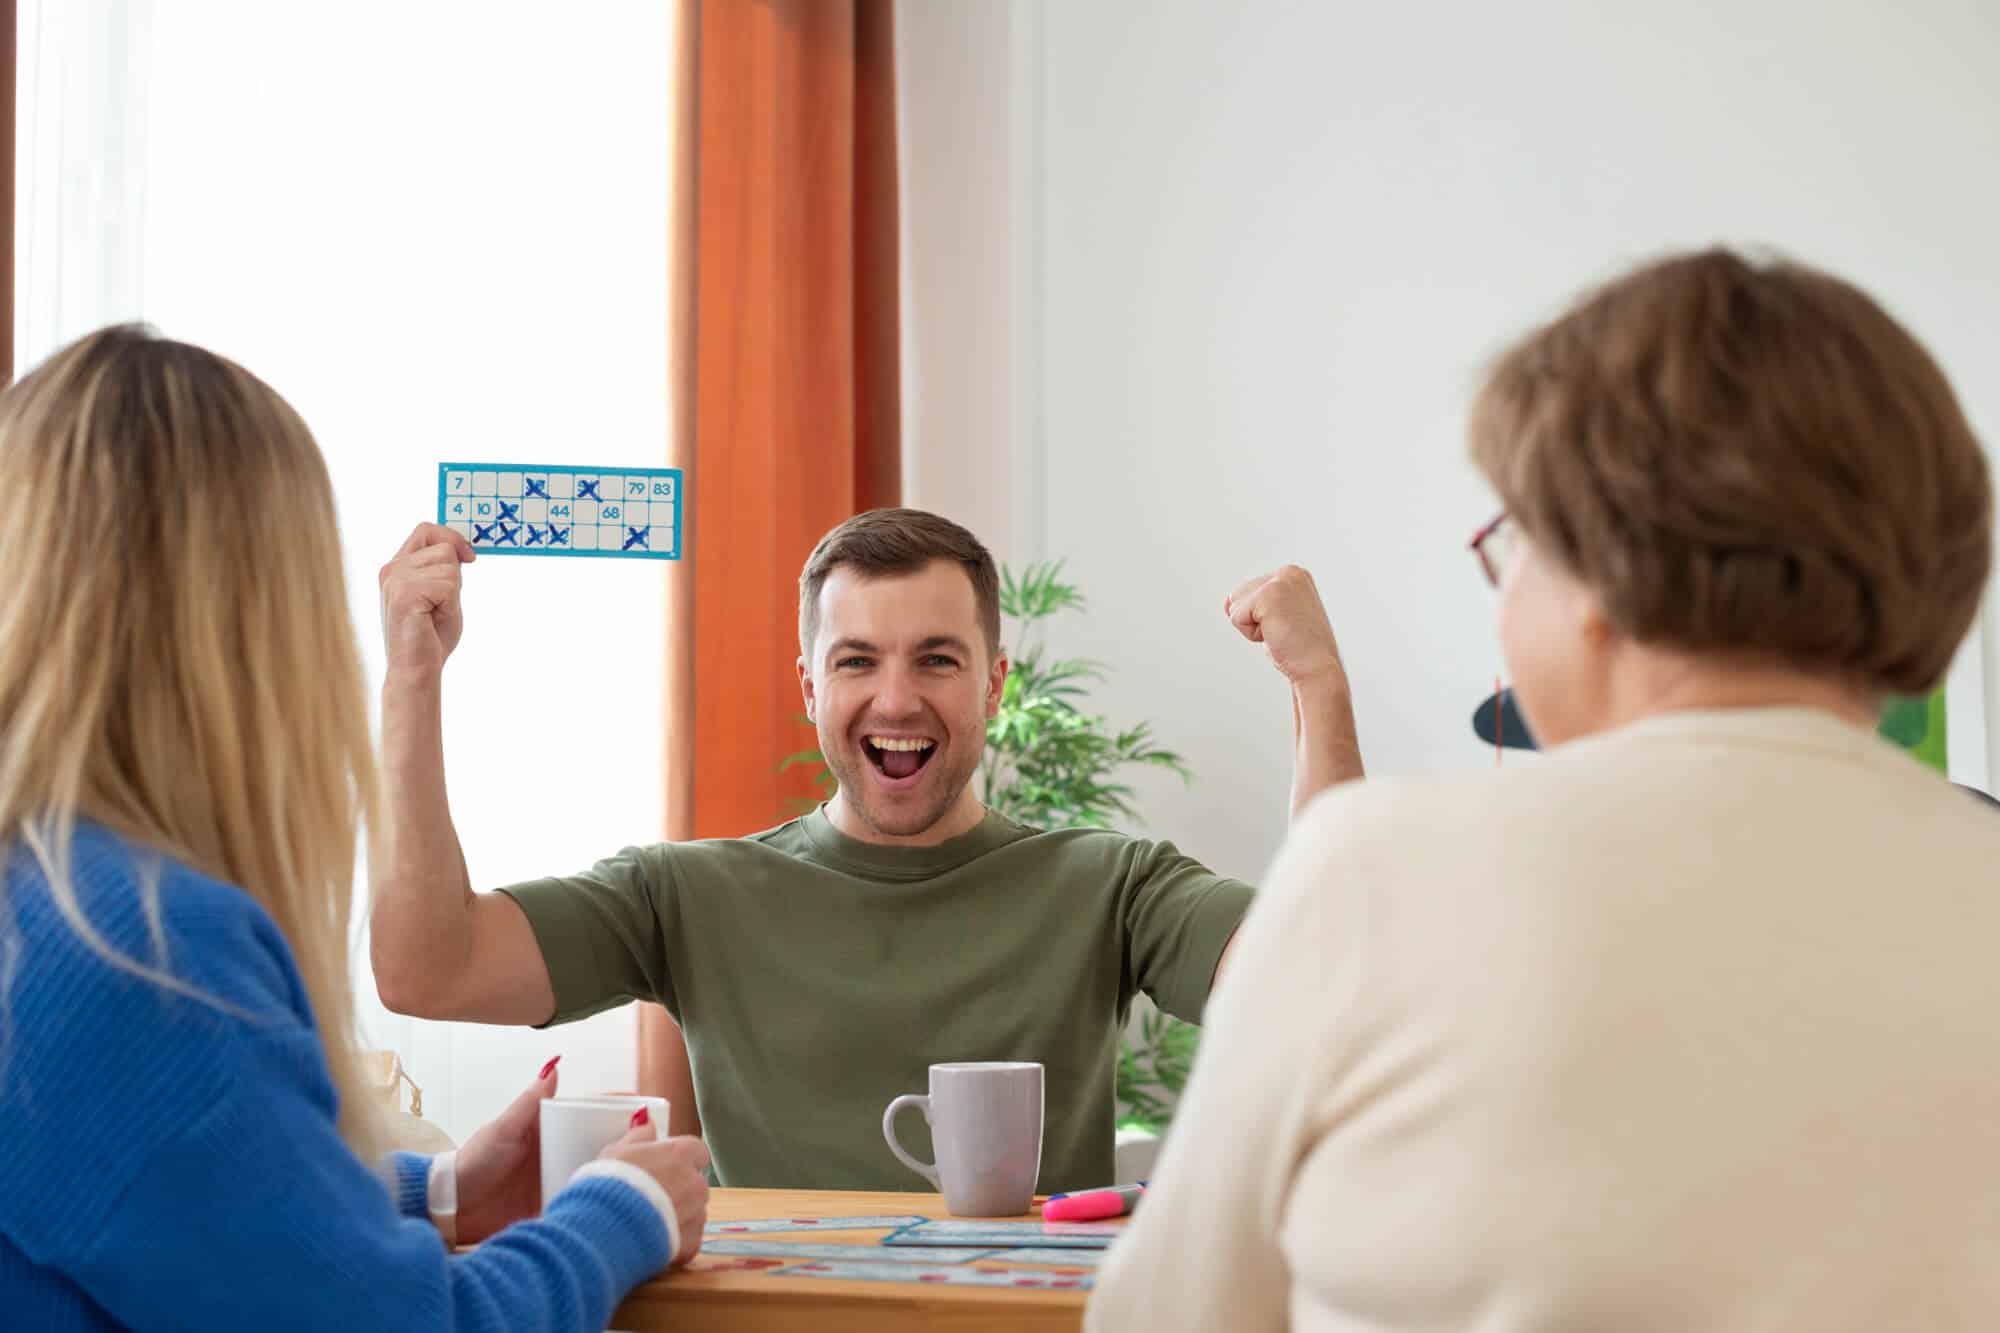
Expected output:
(816, 977)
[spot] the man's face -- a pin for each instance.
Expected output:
(900, 683)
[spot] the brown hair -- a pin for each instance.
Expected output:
(1748, 457)
(899, 541)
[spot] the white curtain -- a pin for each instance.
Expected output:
(80, 168)
(440, 230)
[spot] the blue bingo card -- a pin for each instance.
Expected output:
(752, 1226)
(1033, 1255)
(799, 1252)
(1008, 1235)
(532, 509)
(941, 1276)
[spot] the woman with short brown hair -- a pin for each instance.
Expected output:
(1746, 464)
(1692, 1024)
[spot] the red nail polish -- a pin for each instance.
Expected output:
(547, 1069)
(639, 1117)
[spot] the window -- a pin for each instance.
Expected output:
(440, 230)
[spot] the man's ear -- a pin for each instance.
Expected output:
(996, 684)
(806, 689)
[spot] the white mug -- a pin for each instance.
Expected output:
(576, 1129)
(986, 1125)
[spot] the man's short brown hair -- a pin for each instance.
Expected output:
(1750, 458)
(899, 541)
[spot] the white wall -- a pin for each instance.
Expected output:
(440, 229)
(1279, 241)
(968, 142)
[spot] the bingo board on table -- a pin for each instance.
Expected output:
(530, 509)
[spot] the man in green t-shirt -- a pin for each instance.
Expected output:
(818, 968)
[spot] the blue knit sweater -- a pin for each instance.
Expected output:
(168, 1165)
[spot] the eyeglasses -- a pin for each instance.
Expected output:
(1496, 545)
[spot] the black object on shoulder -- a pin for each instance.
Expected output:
(1498, 721)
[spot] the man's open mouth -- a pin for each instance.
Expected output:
(898, 756)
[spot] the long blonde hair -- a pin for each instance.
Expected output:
(176, 658)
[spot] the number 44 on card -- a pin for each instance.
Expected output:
(629, 513)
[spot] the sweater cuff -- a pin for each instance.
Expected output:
(443, 1196)
(410, 1183)
(654, 1193)
(619, 1220)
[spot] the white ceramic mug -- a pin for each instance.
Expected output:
(986, 1125)
(576, 1129)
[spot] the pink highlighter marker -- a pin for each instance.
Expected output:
(1091, 1205)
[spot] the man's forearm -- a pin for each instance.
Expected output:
(421, 923)
(1326, 750)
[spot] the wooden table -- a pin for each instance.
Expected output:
(717, 1293)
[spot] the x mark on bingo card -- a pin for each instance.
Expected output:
(616, 513)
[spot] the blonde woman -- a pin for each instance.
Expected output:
(184, 761)
(1694, 1023)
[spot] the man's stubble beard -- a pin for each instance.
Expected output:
(905, 822)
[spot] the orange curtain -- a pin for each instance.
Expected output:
(785, 356)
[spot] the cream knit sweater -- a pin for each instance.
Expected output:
(1690, 1027)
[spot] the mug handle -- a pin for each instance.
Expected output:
(925, 1169)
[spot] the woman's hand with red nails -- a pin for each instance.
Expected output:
(500, 1167)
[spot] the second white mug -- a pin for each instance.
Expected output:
(986, 1125)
